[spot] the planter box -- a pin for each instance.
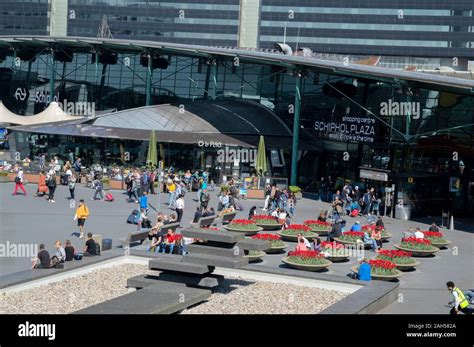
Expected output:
(32, 178)
(444, 244)
(338, 258)
(4, 179)
(116, 184)
(275, 250)
(255, 194)
(106, 186)
(270, 226)
(294, 238)
(247, 232)
(355, 269)
(417, 253)
(255, 257)
(305, 267)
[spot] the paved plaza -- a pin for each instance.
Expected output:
(34, 220)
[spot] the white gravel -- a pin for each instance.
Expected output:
(73, 293)
(235, 296)
(240, 296)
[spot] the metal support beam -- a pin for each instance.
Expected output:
(52, 77)
(296, 132)
(213, 92)
(149, 80)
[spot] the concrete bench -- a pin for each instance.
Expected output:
(204, 222)
(138, 236)
(160, 298)
(163, 229)
(225, 219)
(199, 281)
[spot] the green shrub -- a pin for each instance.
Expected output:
(294, 189)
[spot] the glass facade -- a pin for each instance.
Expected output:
(24, 17)
(428, 28)
(211, 22)
(414, 141)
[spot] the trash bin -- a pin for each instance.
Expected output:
(403, 212)
(106, 244)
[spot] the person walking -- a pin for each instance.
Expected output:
(19, 182)
(72, 186)
(180, 207)
(459, 303)
(82, 213)
(51, 183)
(99, 188)
(144, 201)
(204, 200)
(42, 188)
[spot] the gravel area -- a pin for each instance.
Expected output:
(239, 296)
(72, 294)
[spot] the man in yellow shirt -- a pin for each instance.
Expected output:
(82, 212)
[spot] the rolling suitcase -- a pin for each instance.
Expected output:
(109, 197)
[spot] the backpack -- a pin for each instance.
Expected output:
(97, 248)
(128, 180)
(133, 216)
(17, 179)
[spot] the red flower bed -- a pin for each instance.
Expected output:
(243, 224)
(382, 267)
(305, 254)
(266, 237)
(317, 222)
(434, 234)
(307, 258)
(352, 236)
(394, 253)
(264, 219)
(274, 239)
(295, 229)
(417, 244)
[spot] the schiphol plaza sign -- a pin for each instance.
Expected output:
(347, 129)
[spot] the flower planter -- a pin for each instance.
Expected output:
(255, 194)
(255, 256)
(116, 184)
(355, 269)
(252, 231)
(344, 242)
(408, 266)
(270, 226)
(338, 258)
(385, 236)
(4, 179)
(32, 178)
(417, 252)
(294, 238)
(275, 250)
(440, 244)
(306, 267)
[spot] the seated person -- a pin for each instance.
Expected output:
(69, 250)
(418, 234)
(336, 231)
(173, 218)
(90, 249)
(356, 226)
(364, 270)
(433, 227)
(168, 242)
(43, 260)
(322, 217)
(197, 215)
(379, 224)
(376, 234)
(60, 252)
(305, 240)
(300, 246)
(368, 240)
(209, 212)
(155, 240)
(144, 222)
(166, 220)
(316, 244)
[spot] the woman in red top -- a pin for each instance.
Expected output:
(42, 187)
(168, 240)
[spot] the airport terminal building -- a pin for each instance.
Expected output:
(205, 74)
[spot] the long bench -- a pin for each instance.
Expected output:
(160, 298)
(204, 222)
(225, 219)
(140, 236)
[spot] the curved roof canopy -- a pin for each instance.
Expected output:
(53, 113)
(230, 122)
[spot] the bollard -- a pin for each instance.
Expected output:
(451, 223)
